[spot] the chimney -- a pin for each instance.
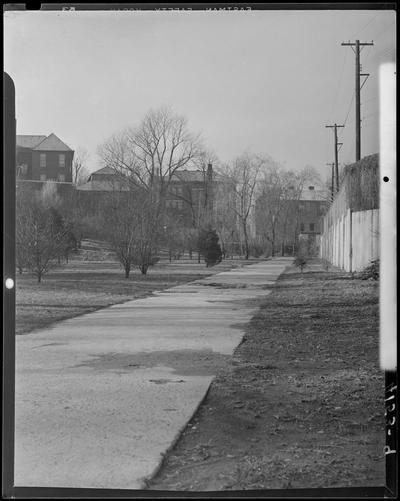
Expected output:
(209, 173)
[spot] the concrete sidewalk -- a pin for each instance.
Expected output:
(101, 397)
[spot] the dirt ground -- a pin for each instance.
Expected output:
(301, 402)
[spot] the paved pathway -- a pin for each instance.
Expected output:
(101, 397)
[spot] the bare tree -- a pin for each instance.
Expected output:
(79, 166)
(244, 173)
(278, 203)
(128, 223)
(225, 217)
(150, 154)
(270, 203)
(42, 237)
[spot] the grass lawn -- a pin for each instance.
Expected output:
(83, 286)
(301, 403)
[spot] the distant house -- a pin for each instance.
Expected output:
(191, 195)
(311, 206)
(105, 179)
(299, 217)
(92, 194)
(43, 158)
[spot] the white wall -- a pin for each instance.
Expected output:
(352, 242)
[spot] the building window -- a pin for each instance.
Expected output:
(43, 160)
(61, 160)
(43, 177)
(61, 177)
(301, 226)
(312, 227)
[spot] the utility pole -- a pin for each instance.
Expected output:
(357, 44)
(332, 165)
(335, 128)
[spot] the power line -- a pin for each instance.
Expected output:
(386, 51)
(367, 24)
(384, 30)
(332, 165)
(337, 144)
(349, 108)
(357, 45)
(338, 85)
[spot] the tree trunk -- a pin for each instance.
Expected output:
(273, 243)
(39, 277)
(198, 257)
(127, 270)
(246, 241)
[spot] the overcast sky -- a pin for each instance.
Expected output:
(267, 81)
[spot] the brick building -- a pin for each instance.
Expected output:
(102, 180)
(43, 158)
(190, 195)
(298, 218)
(311, 207)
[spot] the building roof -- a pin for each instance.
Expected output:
(190, 176)
(42, 143)
(106, 185)
(26, 141)
(52, 143)
(314, 195)
(104, 171)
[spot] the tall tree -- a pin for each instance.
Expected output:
(278, 203)
(244, 173)
(79, 166)
(150, 154)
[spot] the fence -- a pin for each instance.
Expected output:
(350, 239)
(352, 242)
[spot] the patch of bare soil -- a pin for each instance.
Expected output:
(183, 362)
(300, 404)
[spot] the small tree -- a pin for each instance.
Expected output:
(300, 262)
(209, 247)
(42, 236)
(130, 224)
(303, 255)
